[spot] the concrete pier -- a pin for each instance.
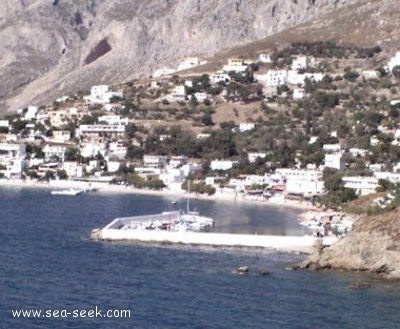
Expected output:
(282, 243)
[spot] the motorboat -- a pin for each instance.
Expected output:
(70, 191)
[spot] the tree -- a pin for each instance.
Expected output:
(207, 118)
(72, 154)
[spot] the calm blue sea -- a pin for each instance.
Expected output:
(46, 263)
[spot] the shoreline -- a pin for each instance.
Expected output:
(105, 188)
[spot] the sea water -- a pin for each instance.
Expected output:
(48, 264)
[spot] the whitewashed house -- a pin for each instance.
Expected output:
(4, 124)
(362, 185)
(332, 148)
(357, 152)
(101, 95)
(100, 131)
(235, 65)
(73, 169)
(246, 126)
(273, 78)
(374, 141)
(298, 93)
(12, 159)
(117, 149)
(334, 160)
(54, 151)
(113, 166)
(61, 136)
(219, 77)
(92, 149)
(113, 120)
(155, 161)
(300, 63)
(178, 161)
(222, 164)
(31, 112)
(201, 96)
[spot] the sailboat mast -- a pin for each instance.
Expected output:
(187, 200)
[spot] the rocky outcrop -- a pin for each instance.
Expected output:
(53, 47)
(372, 246)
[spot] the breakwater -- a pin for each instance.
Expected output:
(282, 243)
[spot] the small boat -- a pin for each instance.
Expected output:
(70, 191)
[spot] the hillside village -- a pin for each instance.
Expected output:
(312, 120)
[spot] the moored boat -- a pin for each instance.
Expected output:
(70, 191)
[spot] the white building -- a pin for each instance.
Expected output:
(357, 152)
(300, 63)
(113, 166)
(117, 149)
(108, 130)
(172, 178)
(392, 177)
(61, 136)
(4, 123)
(178, 161)
(273, 78)
(246, 126)
(362, 185)
(219, 77)
(222, 164)
(332, 148)
(334, 160)
(298, 93)
(90, 149)
(52, 151)
(155, 161)
(203, 136)
(301, 181)
(201, 96)
(101, 95)
(178, 93)
(374, 141)
(235, 65)
(31, 112)
(12, 158)
(113, 120)
(72, 169)
(394, 61)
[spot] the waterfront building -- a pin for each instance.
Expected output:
(12, 159)
(362, 185)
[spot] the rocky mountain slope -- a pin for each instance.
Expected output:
(53, 47)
